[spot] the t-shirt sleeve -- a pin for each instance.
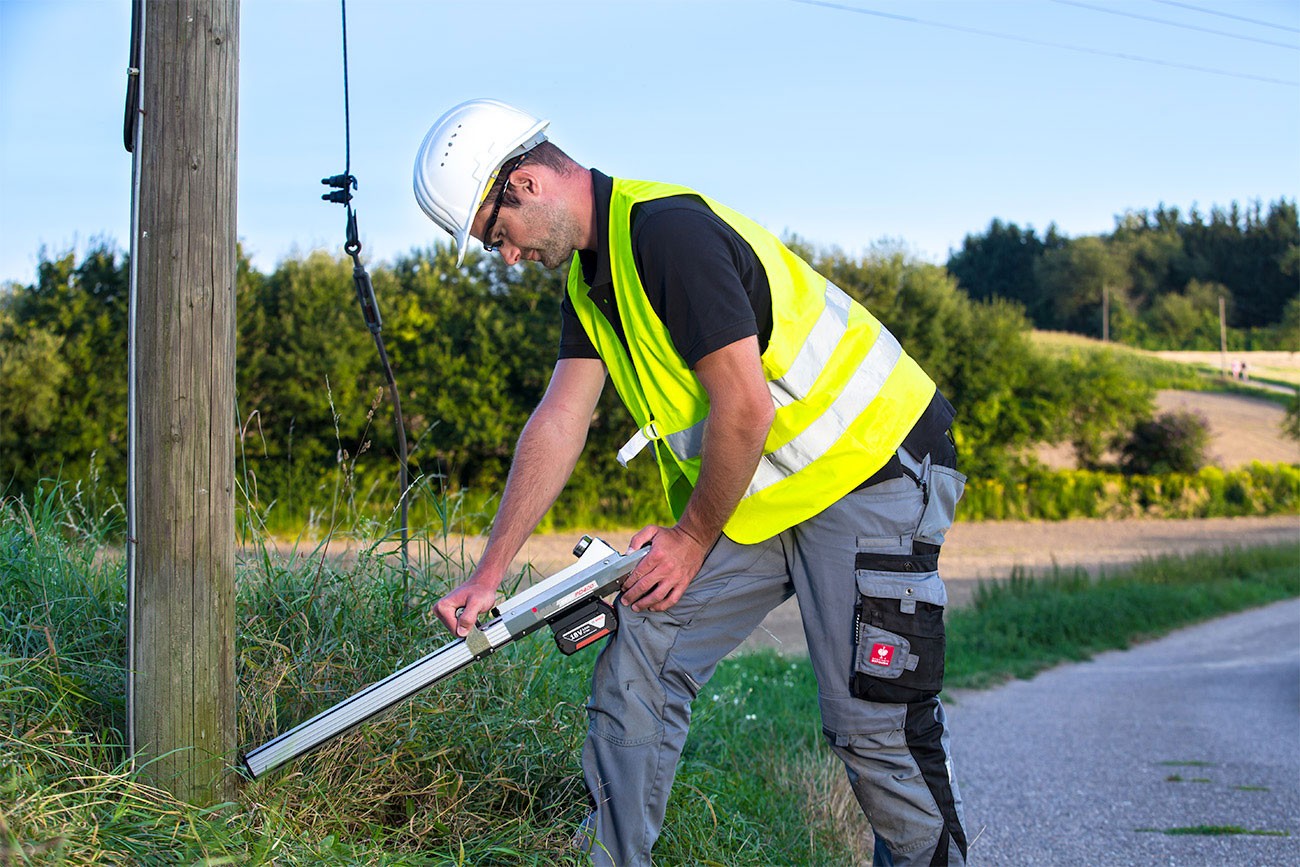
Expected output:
(574, 342)
(698, 275)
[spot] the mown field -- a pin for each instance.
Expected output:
(1276, 366)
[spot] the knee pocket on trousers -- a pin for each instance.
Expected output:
(636, 715)
(629, 719)
(609, 735)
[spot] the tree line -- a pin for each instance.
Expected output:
(1161, 274)
(473, 349)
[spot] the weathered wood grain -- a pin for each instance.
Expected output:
(183, 553)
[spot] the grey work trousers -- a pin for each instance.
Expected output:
(896, 754)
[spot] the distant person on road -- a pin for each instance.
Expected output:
(802, 451)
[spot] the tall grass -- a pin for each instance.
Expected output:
(479, 770)
(1020, 626)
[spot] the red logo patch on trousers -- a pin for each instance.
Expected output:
(882, 654)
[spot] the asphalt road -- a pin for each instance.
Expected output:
(1093, 763)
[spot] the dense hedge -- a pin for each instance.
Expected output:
(473, 348)
(1259, 489)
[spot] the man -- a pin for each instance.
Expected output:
(801, 451)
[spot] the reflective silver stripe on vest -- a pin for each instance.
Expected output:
(818, 438)
(808, 364)
(688, 443)
(817, 349)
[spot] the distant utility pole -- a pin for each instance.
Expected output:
(181, 516)
(1223, 339)
(1105, 314)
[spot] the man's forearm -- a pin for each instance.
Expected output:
(740, 416)
(545, 456)
(728, 458)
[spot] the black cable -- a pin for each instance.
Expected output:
(1228, 15)
(843, 7)
(1095, 8)
(343, 186)
(133, 65)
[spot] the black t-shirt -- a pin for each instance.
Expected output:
(701, 277)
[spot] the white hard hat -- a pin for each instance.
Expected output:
(460, 156)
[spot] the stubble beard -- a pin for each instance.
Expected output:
(556, 247)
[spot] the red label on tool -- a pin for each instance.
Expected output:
(882, 654)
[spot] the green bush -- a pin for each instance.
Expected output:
(1172, 442)
(1291, 423)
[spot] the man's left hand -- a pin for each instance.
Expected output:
(660, 579)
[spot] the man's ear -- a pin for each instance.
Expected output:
(526, 181)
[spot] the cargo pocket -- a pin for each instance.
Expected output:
(944, 488)
(898, 628)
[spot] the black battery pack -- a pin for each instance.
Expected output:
(584, 625)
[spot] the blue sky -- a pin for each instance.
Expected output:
(844, 122)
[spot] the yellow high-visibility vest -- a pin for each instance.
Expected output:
(845, 392)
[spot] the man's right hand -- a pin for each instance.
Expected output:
(459, 609)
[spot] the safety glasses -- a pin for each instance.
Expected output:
(505, 171)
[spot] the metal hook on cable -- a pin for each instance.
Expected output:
(353, 244)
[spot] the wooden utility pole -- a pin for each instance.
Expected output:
(181, 523)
